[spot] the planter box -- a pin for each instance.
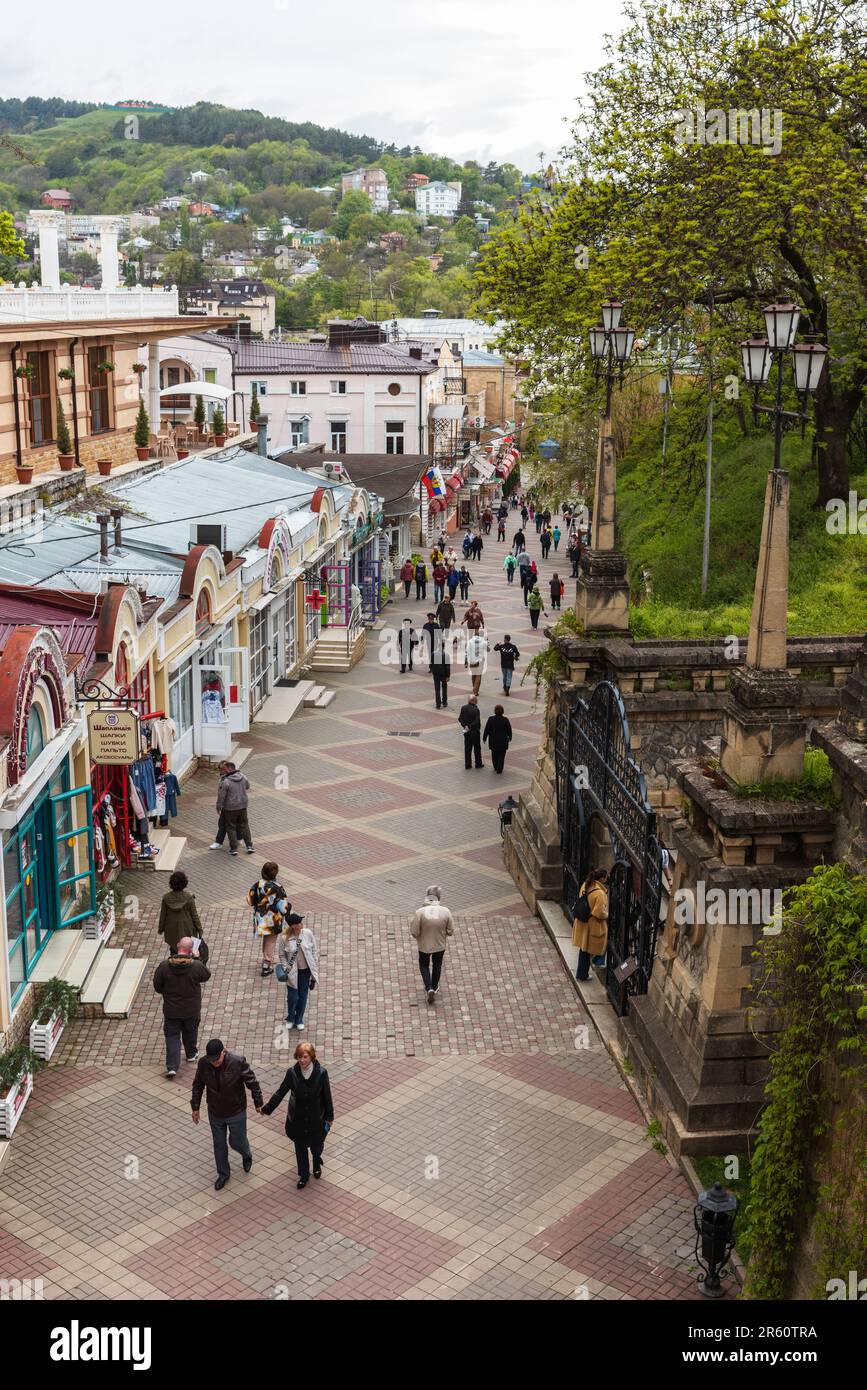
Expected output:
(12, 1106)
(44, 1037)
(101, 926)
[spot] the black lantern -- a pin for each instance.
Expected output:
(808, 360)
(505, 810)
(611, 344)
(714, 1216)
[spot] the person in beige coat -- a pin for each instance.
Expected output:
(591, 937)
(431, 926)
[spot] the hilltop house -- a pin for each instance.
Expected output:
(58, 198)
(373, 182)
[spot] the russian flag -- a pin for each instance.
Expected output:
(433, 481)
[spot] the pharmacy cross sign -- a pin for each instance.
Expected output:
(316, 600)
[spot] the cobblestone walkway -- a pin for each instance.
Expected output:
(480, 1149)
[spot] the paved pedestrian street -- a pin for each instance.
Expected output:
(479, 1151)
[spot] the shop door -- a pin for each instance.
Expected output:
(237, 660)
(336, 581)
(211, 712)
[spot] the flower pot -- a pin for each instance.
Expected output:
(254, 425)
(12, 1105)
(219, 440)
(25, 473)
(44, 1037)
(143, 454)
(104, 466)
(183, 453)
(67, 462)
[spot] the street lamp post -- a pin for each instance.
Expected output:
(758, 356)
(611, 343)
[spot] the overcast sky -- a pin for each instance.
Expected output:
(474, 79)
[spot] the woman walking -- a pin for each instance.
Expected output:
(556, 587)
(590, 932)
(534, 603)
(179, 916)
(465, 579)
(498, 736)
(299, 958)
(310, 1113)
(474, 619)
(407, 574)
(271, 906)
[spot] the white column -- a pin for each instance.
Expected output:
(154, 386)
(108, 231)
(49, 256)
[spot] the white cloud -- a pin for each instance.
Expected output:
(493, 81)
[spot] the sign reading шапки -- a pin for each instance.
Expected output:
(113, 735)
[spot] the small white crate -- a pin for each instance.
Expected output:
(12, 1106)
(101, 926)
(44, 1037)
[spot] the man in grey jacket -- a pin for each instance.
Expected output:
(431, 926)
(232, 803)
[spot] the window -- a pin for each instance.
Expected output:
(35, 735)
(98, 392)
(173, 377)
(394, 437)
(39, 402)
(259, 657)
(203, 612)
(338, 388)
(297, 388)
(181, 698)
(262, 387)
(337, 432)
(300, 432)
(394, 388)
(211, 375)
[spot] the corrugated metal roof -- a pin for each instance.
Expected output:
(62, 542)
(76, 632)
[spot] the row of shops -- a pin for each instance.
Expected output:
(474, 485)
(128, 668)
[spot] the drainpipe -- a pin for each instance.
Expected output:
(420, 418)
(74, 385)
(14, 360)
(262, 429)
(103, 520)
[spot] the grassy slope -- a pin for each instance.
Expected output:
(827, 575)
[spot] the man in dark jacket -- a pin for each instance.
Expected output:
(441, 668)
(445, 614)
(179, 980)
(224, 1075)
(470, 720)
(429, 640)
(232, 800)
(509, 654)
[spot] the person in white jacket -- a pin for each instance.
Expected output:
(299, 958)
(431, 926)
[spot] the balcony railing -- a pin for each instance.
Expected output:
(18, 305)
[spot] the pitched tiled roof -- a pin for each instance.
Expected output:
(307, 358)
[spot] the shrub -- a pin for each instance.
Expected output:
(64, 443)
(219, 425)
(142, 427)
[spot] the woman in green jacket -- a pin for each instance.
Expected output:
(534, 603)
(179, 916)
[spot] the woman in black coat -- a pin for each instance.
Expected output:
(498, 736)
(311, 1111)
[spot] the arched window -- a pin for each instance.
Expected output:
(203, 612)
(121, 669)
(35, 734)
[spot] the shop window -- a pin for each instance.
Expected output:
(259, 657)
(181, 698)
(35, 735)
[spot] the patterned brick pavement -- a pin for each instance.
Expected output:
(480, 1150)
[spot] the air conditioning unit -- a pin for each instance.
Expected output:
(333, 470)
(209, 533)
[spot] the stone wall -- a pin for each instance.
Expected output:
(118, 445)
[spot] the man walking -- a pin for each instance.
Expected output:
(520, 542)
(445, 614)
(477, 658)
(510, 565)
(406, 641)
(223, 769)
(420, 580)
(470, 720)
(179, 980)
(440, 574)
(441, 668)
(232, 798)
(431, 926)
(223, 1076)
(428, 642)
(509, 654)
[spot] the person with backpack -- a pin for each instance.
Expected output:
(501, 528)
(407, 574)
(298, 967)
(271, 906)
(509, 565)
(310, 1112)
(590, 924)
(179, 916)
(420, 580)
(534, 603)
(509, 654)
(556, 586)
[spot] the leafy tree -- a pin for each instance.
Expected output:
(352, 205)
(181, 268)
(84, 265)
(10, 242)
(319, 219)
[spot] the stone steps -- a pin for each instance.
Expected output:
(284, 702)
(57, 955)
(104, 976)
(118, 1001)
(100, 980)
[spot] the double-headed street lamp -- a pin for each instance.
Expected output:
(759, 354)
(611, 344)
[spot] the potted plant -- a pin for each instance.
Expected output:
(101, 925)
(139, 368)
(105, 366)
(66, 374)
(24, 472)
(25, 372)
(142, 432)
(65, 456)
(219, 427)
(199, 415)
(255, 409)
(17, 1068)
(104, 466)
(58, 1003)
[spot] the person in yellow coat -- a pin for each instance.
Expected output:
(591, 937)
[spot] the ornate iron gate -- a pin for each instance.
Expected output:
(597, 777)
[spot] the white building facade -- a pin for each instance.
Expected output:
(438, 199)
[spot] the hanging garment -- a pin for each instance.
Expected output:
(144, 780)
(135, 802)
(98, 847)
(212, 708)
(160, 808)
(163, 734)
(173, 791)
(110, 842)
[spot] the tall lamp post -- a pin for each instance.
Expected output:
(611, 344)
(760, 354)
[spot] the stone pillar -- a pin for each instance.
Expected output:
(49, 254)
(602, 596)
(763, 731)
(154, 386)
(853, 700)
(108, 231)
